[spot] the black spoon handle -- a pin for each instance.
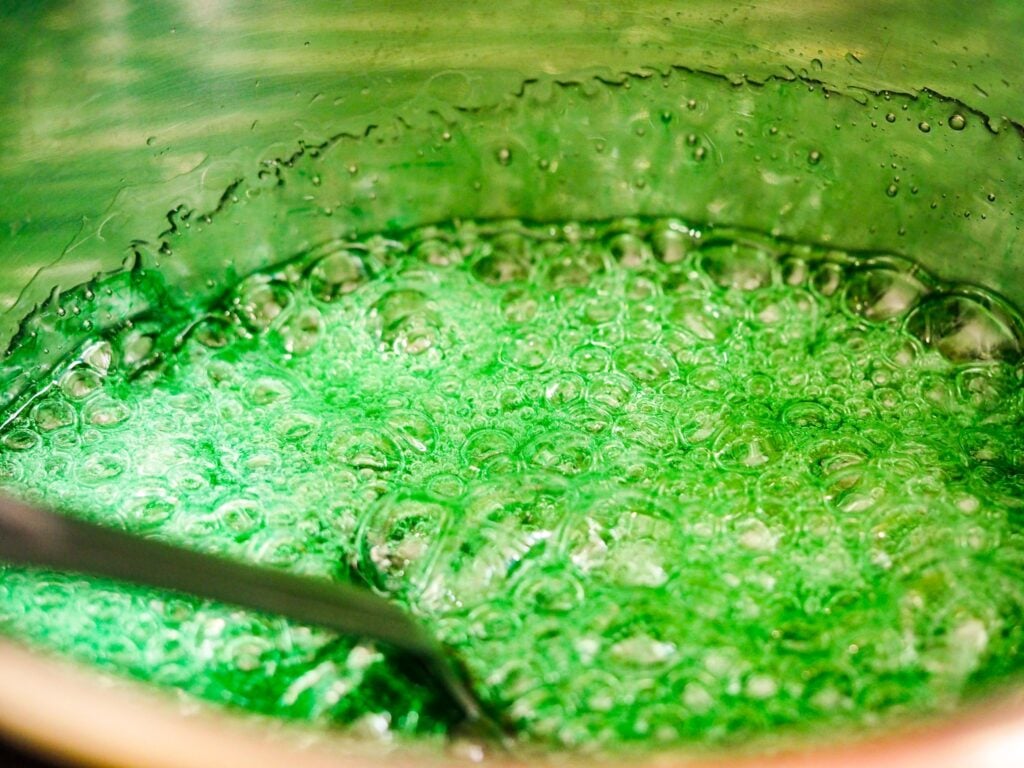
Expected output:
(31, 536)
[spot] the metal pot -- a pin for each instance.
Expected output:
(204, 141)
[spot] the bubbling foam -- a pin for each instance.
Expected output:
(652, 482)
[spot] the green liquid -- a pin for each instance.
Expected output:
(652, 483)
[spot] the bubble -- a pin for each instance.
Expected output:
(52, 414)
(79, 383)
(696, 698)
(506, 261)
(446, 485)
(213, 332)
(398, 540)
(407, 321)
(611, 390)
(966, 327)
(737, 265)
(367, 449)
(650, 428)
(827, 278)
(99, 356)
(22, 439)
(149, 509)
(700, 318)
(590, 358)
(761, 687)
(529, 352)
(809, 414)
(106, 412)
(699, 420)
(600, 310)
(102, 467)
(646, 363)
(629, 250)
(338, 274)
(268, 390)
(670, 246)
(241, 518)
(643, 650)
(572, 267)
(564, 389)
(795, 271)
(550, 591)
(709, 378)
(489, 449)
(561, 451)
(621, 534)
(414, 429)
(302, 332)
(260, 301)
(882, 294)
(519, 305)
(746, 446)
(137, 348)
(655, 463)
(755, 535)
(957, 122)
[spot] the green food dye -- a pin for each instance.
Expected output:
(652, 482)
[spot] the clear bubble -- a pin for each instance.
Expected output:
(700, 318)
(612, 390)
(408, 321)
(339, 274)
(260, 301)
(79, 383)
(645, 363)
(106, 412)
(590, 358)
(268, 390)
(213, 332)
(629, 251)
(300, 334)
(367, 449)
(746, 446)
(21, 439)
(564, 389)
(965, 327)
(505, 261)
(489, 449)
(737, 265)
(52, 414)
(670, 245)
(529, 352)
(882, 294)
(99, 356)
(519, 305)
(398, 539)
(561, 451)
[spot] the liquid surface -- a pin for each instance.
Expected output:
(652, 483)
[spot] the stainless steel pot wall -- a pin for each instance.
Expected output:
(203, 140)
(117, 112)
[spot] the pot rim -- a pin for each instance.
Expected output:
(70, 712)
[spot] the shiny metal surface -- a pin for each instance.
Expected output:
(114, 113)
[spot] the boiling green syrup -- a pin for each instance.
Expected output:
(653, 483)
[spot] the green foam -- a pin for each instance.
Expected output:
(653, 483)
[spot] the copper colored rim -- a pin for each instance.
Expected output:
(77, 715)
